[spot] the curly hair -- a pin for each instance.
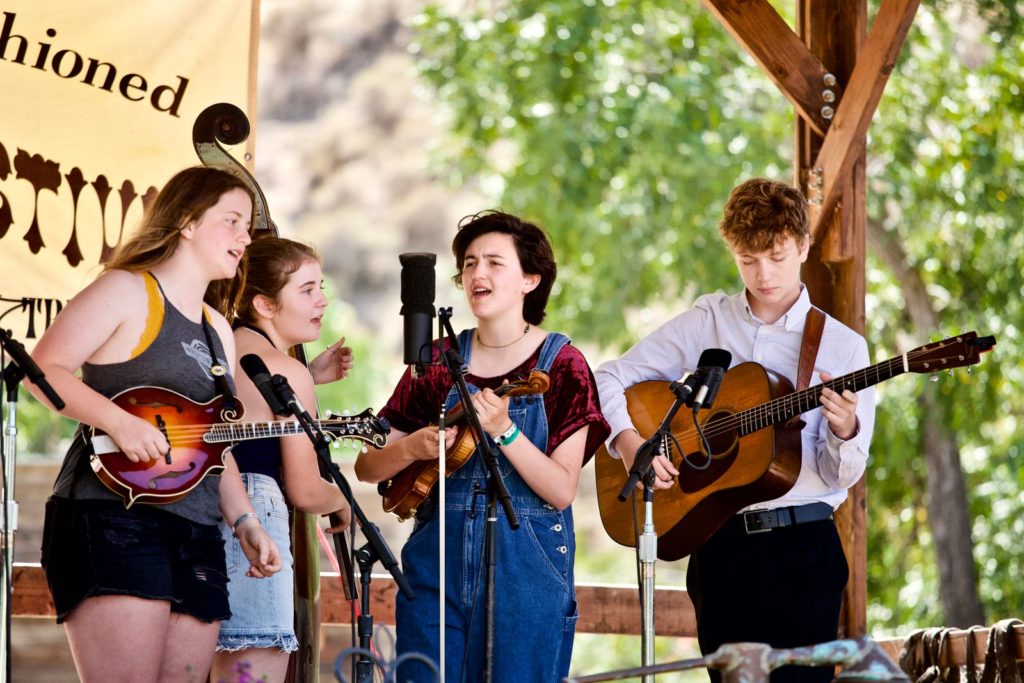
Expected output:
(532, 246)
(760, 213)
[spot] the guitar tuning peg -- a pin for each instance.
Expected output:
(335, 445)
(933, 377)
(364, 449)
(970, 370)
(345, 412)
(951, 372)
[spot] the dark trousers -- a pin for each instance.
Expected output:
(782, 587)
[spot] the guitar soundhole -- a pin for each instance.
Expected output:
(720, 434)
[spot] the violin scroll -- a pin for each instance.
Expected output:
(537, 383)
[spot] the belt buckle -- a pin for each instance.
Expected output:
(747, 516)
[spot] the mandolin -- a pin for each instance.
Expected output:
(199, 433)
(404, 492)
(754, 442)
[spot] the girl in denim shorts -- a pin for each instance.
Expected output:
(282, 305)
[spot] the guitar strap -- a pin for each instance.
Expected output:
(814, 324)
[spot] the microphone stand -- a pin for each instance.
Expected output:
(496, 491)
(647, 543)
(375, 549)
(20, 367)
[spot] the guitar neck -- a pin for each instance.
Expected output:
(786, 407)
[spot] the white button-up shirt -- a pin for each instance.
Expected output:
(830, 465)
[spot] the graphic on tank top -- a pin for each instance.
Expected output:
(200, 353)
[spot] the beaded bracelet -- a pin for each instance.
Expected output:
(508, 436)
(242, 518)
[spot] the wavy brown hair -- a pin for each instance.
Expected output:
(532, 246)
(269, 262)
(185, 198)
(760, 213)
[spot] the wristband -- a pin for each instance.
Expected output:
(508, 436)
(241, 519)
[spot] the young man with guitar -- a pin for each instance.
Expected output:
(774, 572)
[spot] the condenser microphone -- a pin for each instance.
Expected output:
(711, 369)
(418, 309)
(257, 371)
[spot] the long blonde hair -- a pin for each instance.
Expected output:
(185, 198)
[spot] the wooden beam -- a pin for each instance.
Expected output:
(603, 608)
(845, 140)
(772, 43)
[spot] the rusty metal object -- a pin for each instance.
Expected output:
(861, 659)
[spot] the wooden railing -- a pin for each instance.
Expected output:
(603, 608)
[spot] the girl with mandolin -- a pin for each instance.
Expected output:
(773, 573)
(281, 306)
(507, 269)
(141, 590)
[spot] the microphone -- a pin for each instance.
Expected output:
(711, 369)
(21, 360)
(257, 371)
(418, 309)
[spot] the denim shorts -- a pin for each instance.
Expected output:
(97, 547)
(262, 612)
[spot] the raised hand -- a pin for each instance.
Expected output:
(333, 363)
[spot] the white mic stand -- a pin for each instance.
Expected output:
(20, 366)
(647, 542)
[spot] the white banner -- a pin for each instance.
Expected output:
(98, 102)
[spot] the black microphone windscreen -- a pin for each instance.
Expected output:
(715, 358)
(253, 365)
(417, 280)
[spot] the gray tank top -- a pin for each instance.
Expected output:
(178, 359)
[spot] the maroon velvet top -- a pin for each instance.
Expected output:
(570, 402)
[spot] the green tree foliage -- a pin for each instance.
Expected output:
(622, 126)
(617, 126)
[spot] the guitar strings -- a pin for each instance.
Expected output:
(764, 413)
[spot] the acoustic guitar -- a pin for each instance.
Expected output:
(753, 432)
(404, 492)
(199, 433)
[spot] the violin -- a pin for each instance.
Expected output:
(410, 487)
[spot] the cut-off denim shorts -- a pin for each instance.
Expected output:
(262, 612)
(97, 547)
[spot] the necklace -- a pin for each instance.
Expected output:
(526, 330)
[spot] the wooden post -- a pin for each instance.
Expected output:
(834, 272)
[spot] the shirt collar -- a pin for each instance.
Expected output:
(792, 320)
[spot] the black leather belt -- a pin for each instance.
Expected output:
(759, 521)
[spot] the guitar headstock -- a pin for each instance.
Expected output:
(955, 352)
(362, 427)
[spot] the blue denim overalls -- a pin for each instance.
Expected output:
(535, 597)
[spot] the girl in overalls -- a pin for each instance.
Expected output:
(506, 267)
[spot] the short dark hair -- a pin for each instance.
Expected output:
(760, 213)
(532, 246)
